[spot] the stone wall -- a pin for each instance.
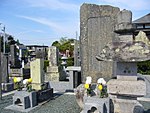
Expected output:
(96, 30)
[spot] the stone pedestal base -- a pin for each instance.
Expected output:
(124, 92)
(52, 76)
(23, 101)
(127, 87)
(44, 95)
(127, 106)
(96, 105)
(53, 73)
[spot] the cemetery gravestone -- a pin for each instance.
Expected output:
(96, 30)
(116, 43)
(15, 62)
(53, 56)
(4, 68)
(53, 70)
(37, 73)
(6, 85)
(0, 73)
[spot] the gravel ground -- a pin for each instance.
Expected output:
(60, 104)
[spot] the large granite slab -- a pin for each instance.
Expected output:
(96, 30)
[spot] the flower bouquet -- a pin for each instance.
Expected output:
(87, 86)
(27, 83)
(17, 81)
(102, 87)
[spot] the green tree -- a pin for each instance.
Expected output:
(63, 45)
(144, 67)
(56, 44)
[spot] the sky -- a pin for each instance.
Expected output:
(41, 22)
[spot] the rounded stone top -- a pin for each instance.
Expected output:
(125, 51)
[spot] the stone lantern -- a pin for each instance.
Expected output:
(127, 86)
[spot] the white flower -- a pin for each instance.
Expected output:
(101, 81)
(104, 82)
(25, 81)
(88, 80)
(18, 79)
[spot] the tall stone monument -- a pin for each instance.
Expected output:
(53, 70)
(4, 68)
(97, 23)
(15, 62)
(37, 73)
(0, 73)
(53, 56)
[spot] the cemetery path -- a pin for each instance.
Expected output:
(62, 103)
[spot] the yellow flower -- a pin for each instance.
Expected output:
(100, 87)
(86, 86)
(29, 80)
(15, 79)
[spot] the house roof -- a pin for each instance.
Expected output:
(20, 46)
(144, 19)
(36, 46)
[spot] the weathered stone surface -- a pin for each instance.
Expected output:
(129, 51)
(76, 53)
(4, 69)
(125, 38)
(147, 80)
(53, 69)
(124, 16)
(0, 73)
(96, 30)
(53, 73)
(124, 19)
(15, 62)
(143, 38)
(127, 88)
(53, 56)
(37, 73)
(52, 76)
(125, 51)
(127, 106)
(127, 78)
